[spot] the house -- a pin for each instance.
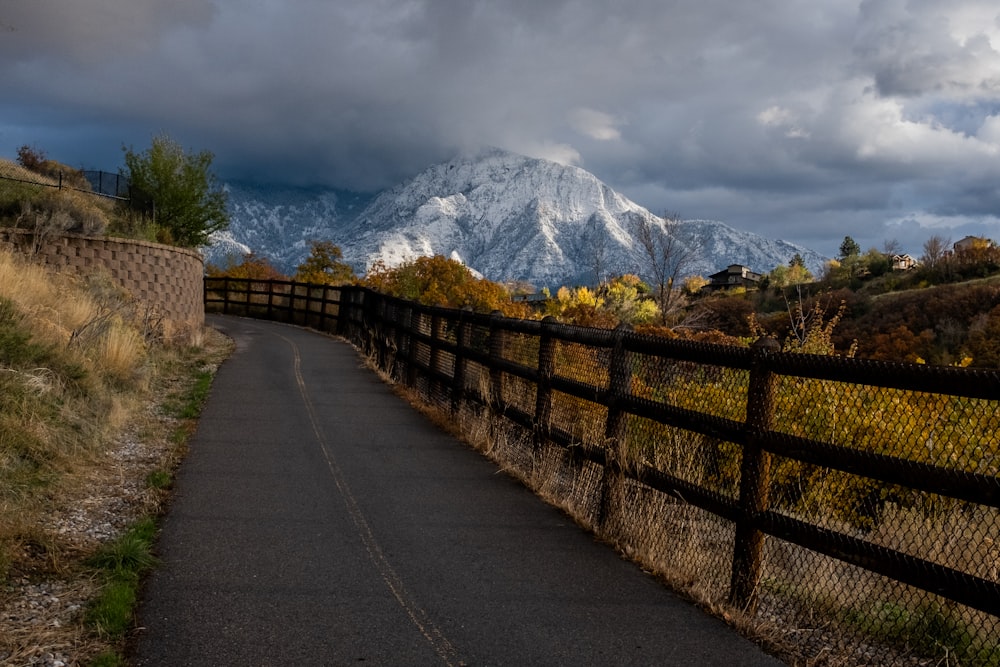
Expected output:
(735, 275)
(903, 262)
(971, 243)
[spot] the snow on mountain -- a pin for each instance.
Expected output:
(279, 222)
(506, 216)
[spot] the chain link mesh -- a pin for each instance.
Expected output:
(877, 506)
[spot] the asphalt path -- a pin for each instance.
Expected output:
(320, 520)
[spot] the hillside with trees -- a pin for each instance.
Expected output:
(943, 308)
(172, 197)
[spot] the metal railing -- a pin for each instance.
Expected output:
(791, 486)
(98, 183)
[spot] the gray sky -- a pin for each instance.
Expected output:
(806, 120)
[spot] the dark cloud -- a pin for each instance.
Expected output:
(803, 120)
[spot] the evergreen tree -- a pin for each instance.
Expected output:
(849, 248)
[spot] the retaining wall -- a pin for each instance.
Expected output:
(166, 278)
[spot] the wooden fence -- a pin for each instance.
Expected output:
(819, 452)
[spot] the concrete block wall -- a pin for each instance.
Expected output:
(166, 278)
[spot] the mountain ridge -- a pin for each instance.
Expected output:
(507, 216)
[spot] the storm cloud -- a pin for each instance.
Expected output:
(805, 120)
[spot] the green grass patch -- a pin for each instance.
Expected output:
(930, 629)
(131, 554)
(111, 614)
(188, 405)
(109, 659)
(197, 396)
(122, 564)
(159, 479)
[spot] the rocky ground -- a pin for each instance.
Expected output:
(43, 601)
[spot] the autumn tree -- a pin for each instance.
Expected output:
(252, 266)
(323, 266)
(693, 285)
(901, 344)
(581, 306)
(794, 273)
(876, 263)
(34, 159)
(187, 201)
(629, 299)
(439, 281)
(31, 158)
(811, 326)
(984, 339)
(665, 258)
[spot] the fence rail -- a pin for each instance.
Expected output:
(783, 482)
(98, 183)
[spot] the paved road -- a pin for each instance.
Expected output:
(319, 520)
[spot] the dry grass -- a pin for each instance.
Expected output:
(814, 610)
(120, 352)
(674, 541)
(33, 202)
(82, 425)
(62, 403)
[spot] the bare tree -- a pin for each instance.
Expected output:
(934, 250)
(666, 258)
(891, 247)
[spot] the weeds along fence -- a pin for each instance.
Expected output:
(98, 183)
(851, 506)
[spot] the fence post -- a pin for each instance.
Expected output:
(755, 480)
(401, 339)
(344, 305)
(382, 329)
(435, 354)
(619, 383)
(415, 322)
(324, 300)
(225, 299)
(543, 388)
(497, 344)
(462, 335)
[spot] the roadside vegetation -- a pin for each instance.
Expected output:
(174, 197)
(96, 410)
(857, 307)
(943, 309)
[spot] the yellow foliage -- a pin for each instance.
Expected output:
(323, 266)
(439, 281)
(693, 284)
(627, 297)
(252, 266)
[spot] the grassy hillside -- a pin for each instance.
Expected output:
(30, 200)
(92, 423)
(947, 324)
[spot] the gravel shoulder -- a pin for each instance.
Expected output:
(43, 601)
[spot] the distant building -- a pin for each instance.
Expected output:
(903, 262)
(971, 243)
(735, 275)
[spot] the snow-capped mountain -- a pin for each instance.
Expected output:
(507, 216)
(279, 222)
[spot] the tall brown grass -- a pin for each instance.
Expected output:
(32, 200)
(73, 370)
